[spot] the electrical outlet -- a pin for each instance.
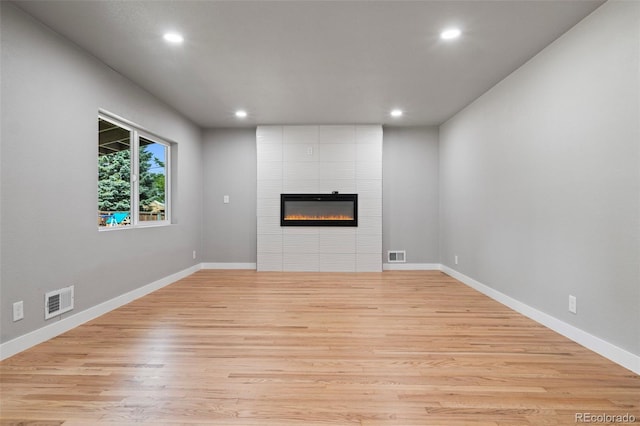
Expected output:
(573, 304)
(455, 259)
(226, 199)
(194, 254)
(18, 311)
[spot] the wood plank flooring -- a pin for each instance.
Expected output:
(253, 348)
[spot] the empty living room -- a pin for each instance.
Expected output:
(279, 213)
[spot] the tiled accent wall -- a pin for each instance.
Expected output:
(319, 159)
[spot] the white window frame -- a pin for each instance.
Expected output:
(136, 132)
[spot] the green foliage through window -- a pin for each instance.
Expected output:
(114, 181)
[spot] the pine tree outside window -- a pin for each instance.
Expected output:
(133, 176)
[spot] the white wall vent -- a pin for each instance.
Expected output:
(58, 302)
(397, 256)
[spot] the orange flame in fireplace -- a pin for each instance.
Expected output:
(305, 217)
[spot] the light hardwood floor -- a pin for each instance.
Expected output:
(249, 348)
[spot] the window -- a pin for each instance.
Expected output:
(152, 183)
(133, 176)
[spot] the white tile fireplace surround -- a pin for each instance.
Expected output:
(319, 159)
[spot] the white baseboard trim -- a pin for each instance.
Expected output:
(228, 265)
(411, 267)
(63, 325)
(608, 350)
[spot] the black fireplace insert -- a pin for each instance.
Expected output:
(319, 209)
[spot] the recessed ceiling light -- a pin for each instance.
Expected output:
(396, 113)
(174, 38)
(241, 113)
(450, 33)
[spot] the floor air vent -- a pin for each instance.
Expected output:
(58, 302)
(396, 256)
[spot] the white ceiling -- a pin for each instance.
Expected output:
(313, 62)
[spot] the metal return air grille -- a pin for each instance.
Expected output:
(58, 302)
(396, 256)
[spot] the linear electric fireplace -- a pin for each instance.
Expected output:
(319, 209)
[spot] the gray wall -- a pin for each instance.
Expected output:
(540, 179)
(51, 93)
(410, 193)
(229, 230)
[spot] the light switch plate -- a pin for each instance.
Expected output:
(573, 304)
(18, 311)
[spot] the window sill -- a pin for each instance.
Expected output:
(122, 228)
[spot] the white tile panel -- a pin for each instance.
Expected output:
(301, 262)
(337, 152)
(268, 152)
(300, 243)
(268, 207)
(367, 243)
(336, 243)
(300, 135)
(370, 194)
(300, 152)
(343, 186)
(368, 171)
(369, 184)
(337, 262)
(369, 135)
(364, 211)
(269, 170)
(269, 135)
(369, 225)
(370, 205)
(337, 134)
(337, 170)
(337, 230)
(301, 186)
(300, 171)
(269, 262)
(370, 188)
(269, 188)
(300, 230)
(369, 262)
(369, 153)
(268, 225)
(269, 243)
